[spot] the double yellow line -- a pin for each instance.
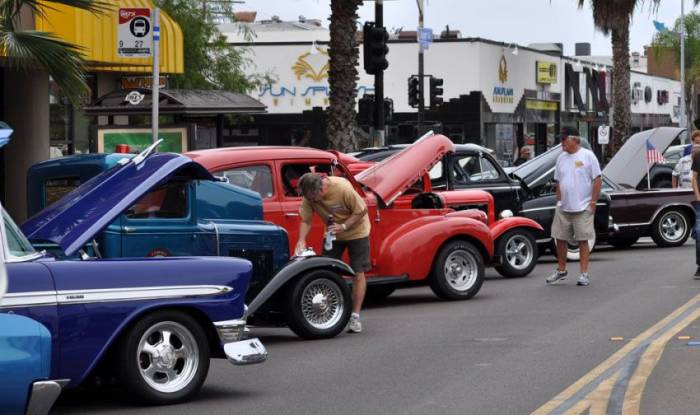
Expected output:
(628, 368)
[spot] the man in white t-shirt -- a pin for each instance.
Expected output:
(578, 178)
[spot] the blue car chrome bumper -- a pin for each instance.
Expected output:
(239, 352)
(42, 396)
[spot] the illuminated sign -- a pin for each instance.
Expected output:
(546, 72)
(536, 104)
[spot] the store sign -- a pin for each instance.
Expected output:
(662, 97)
(134, 97)
(143, 82)
(604, 134)
(307, 86)
(502, 94)
(539, 105)
(546, 72)
(134, 33)
(637, 92)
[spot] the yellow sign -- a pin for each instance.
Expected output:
(533, 104)
(313, 66)
(546, 72)
(503, 70)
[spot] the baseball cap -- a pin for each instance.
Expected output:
(567, 131)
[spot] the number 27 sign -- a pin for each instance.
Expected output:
(134, 33)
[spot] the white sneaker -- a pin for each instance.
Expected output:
(556, 276)
(583, 279)
(354, 326)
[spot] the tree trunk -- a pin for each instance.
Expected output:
(342, 74)
(622, 115)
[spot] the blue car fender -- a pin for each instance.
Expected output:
(294, 269)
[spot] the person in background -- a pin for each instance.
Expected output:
(578, 178)
(335, 200)
(523, 156)
(682, 172)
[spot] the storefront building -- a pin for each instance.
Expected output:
(500, 95)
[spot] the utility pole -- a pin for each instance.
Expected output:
(379, 127)
(683, 122)
(421, 81)
(155, 86)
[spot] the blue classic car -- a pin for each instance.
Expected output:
(152, 322)
(25, 361)
(180, 213)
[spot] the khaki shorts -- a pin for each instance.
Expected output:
(358, 253)
(573, 226)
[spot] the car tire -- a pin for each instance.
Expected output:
(318, 305)
(147, 356)
(622, 243)
(458, 271)
(376, 293)
(671, 228)
(518, 251)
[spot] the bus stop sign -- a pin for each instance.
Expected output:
(134, 33)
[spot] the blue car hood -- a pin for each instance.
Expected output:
(83, 213)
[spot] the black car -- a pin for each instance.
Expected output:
(525, 191)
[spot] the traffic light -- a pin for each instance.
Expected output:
(413, 91)
(375, 48)
(435, 92)
(388, 110)
(365, 110)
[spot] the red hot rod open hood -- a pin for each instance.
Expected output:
(389, 178)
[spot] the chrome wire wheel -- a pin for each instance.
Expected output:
(519, 252)
(167, 356)
(322, 303)
(673, 226)
(461, 270)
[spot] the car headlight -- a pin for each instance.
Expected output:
(506, 214)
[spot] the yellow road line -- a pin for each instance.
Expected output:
(647, 363)
(567, 393)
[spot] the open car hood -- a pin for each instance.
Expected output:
(629, 164)
(81, 214)
(389, 178)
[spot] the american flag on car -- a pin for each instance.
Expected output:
(653, 155)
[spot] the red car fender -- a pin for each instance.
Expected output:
(504, 225)
(411, 248)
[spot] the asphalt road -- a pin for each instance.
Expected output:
(512, 349)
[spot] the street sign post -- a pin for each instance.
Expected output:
(134, 33)
(425, 37)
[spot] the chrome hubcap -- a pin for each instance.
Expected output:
(519, 252)
(673, 227)
(168, 356)
(461, 270)
(322, 304)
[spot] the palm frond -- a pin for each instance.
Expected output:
(62, 60)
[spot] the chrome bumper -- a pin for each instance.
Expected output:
(43, 395)
(239, 352)
(246, 352)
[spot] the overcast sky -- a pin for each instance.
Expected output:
(518, 21)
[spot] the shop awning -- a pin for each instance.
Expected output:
(176, 101)
(97, 35)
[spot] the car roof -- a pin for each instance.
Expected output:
(231, 155)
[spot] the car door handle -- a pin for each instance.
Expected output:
(128, 229)
(291, 215)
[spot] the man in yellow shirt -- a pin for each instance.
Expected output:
(335, 198)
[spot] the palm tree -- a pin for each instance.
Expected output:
(27, 49)
(342, 74)
(614, 17)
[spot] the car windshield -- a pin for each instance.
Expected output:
(17, 243)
